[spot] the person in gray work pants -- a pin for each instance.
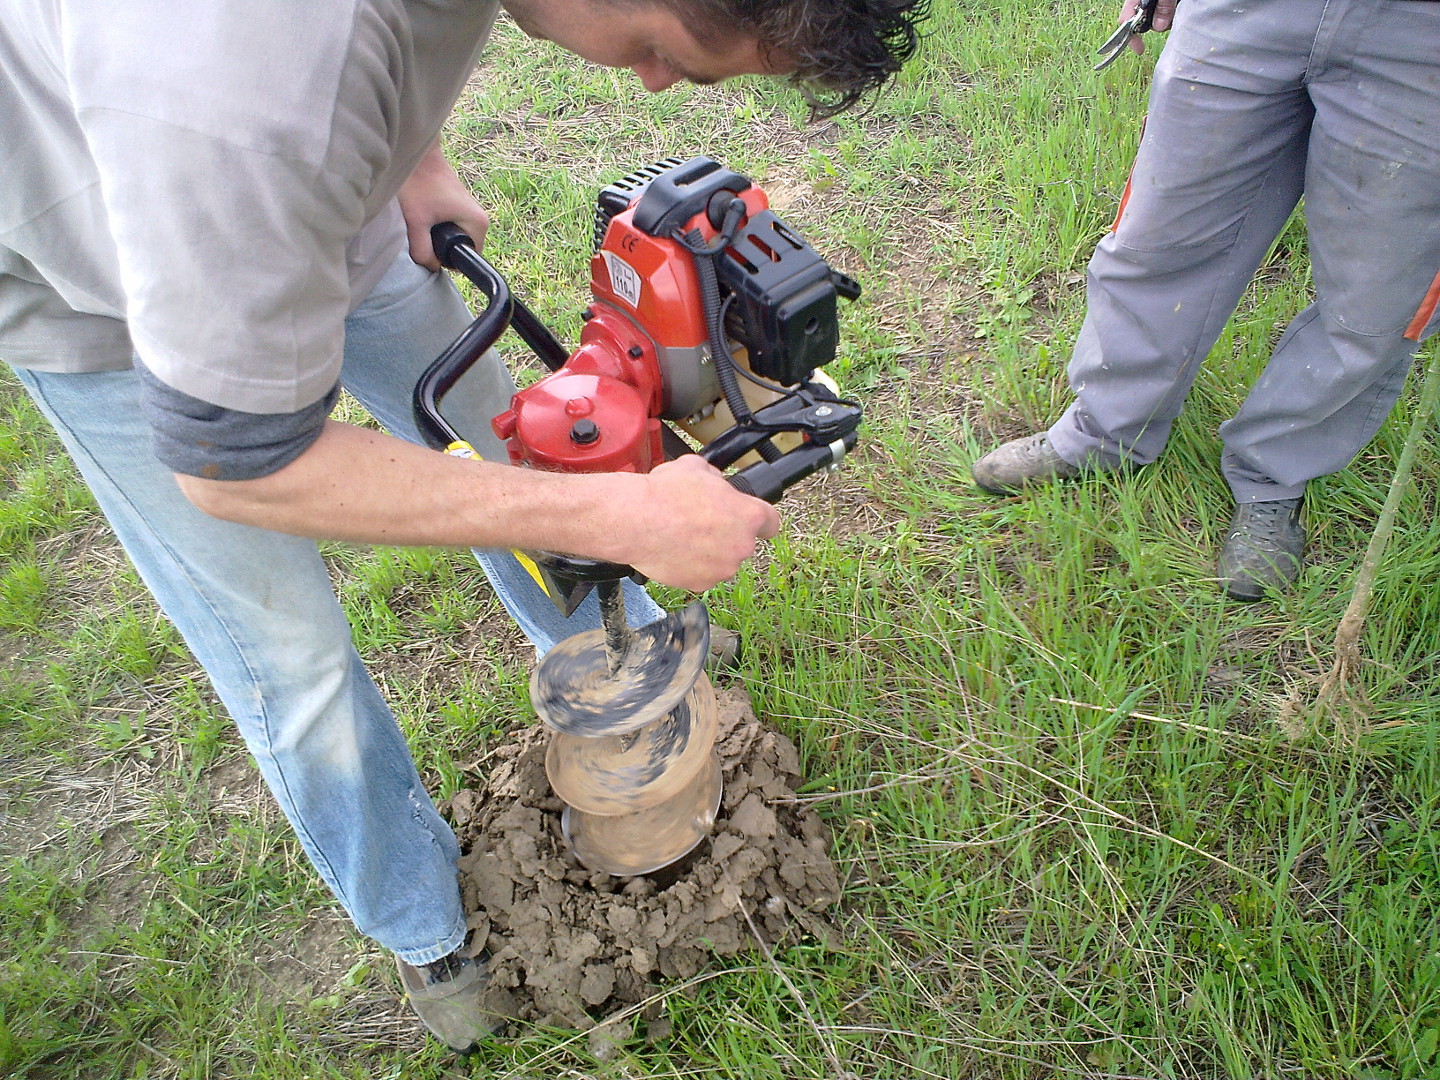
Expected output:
(1254, 105)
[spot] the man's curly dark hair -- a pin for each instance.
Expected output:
(848, 48)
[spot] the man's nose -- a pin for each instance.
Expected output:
(655, 75)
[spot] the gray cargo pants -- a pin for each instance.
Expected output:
(1254, 104)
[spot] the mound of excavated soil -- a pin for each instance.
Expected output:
(570, 948)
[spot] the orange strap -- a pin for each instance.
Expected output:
(1427, 309)
(1124, 198)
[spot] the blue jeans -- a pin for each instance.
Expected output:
(257, 610)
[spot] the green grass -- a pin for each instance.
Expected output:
(1084, 829)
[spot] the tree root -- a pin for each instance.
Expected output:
(1341, 703)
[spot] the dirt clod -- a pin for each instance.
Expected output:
(574, 947)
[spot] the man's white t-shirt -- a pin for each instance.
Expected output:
(209, 184)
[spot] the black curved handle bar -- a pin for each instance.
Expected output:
(457, 252)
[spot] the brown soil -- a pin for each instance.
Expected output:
(571, 948)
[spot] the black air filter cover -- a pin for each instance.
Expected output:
(784, 309)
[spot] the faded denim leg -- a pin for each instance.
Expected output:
(257, 610)
(411, 318)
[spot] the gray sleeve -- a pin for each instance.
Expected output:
(210, 441)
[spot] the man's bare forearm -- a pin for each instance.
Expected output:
(682, 524)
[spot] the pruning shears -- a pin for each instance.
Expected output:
(1115, 44)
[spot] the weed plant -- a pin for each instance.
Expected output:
(1084, 829)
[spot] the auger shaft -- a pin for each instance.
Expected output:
(612, 618)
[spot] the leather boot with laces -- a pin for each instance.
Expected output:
(1264, 549)
(449, 997)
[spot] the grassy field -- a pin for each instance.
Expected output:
(1091, 824)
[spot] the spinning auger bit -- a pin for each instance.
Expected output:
(633, 719)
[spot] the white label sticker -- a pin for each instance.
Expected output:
(623, 278)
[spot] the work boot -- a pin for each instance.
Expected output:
(1264, 548)
(447, 996)
(1022, 463)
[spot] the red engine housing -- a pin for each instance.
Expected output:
(600, 411)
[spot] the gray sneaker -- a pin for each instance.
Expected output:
(1264, 549)
(448, 996)
(1022, 463)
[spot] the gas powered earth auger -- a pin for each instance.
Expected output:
(708, 312)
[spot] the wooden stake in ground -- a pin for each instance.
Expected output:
(1337, 688)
